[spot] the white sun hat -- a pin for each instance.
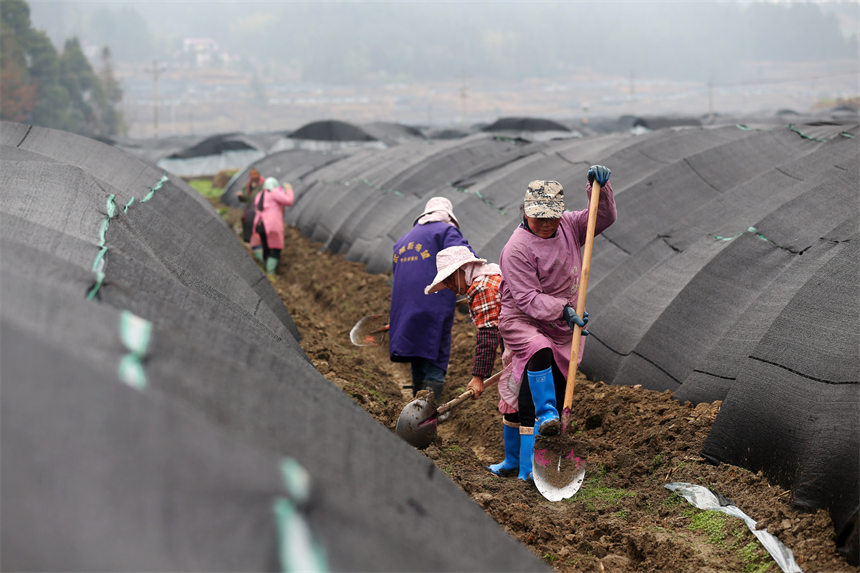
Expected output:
(449, 260)
(439, 204)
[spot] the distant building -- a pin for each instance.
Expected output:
(202, 52)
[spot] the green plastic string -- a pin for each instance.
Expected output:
(803, 135)
(298, 550)
(98, 263)
(744, 127)
(135, 333)
(759, 235)
(100, 278)
(158, 186)
(846, 134)
(296, 479)
(719, 238)
(111, 211)
(749, 230)
(367, 183)
(480, 196)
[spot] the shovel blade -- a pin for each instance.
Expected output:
(369, 331)
(558, 473)
(417, 423)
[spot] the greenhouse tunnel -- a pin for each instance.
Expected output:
(731, 274)
(711, 284)
(158, 413)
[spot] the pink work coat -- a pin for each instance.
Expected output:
(539, 277)
(272, 215)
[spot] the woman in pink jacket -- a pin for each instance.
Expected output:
(541, 265)
(269, 221)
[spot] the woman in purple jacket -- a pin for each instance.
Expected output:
(420, 326)
(541, 265)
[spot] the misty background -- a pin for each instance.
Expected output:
(198, 66)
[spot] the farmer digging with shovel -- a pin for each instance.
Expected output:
(459, 270)
(541, 270)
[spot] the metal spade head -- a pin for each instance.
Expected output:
(369, 331)
(557, 476)
(417, 422)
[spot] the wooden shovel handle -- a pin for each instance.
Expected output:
(580, 300)
(468, 393)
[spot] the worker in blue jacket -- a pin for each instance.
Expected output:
(419, 325)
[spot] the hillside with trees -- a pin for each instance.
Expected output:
(41, 86)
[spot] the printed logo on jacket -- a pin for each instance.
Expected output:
(418, 253)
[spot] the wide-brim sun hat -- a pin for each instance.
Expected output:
(439, 204)
(447, 262)
(544, 199)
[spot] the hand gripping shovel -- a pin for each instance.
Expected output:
(557, 470)
(419, 418)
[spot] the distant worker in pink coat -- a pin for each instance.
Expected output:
(269, 221)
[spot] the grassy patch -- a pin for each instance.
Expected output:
(594, 495)
(657, 461)
(550, 558)
(674, 500)
(376, 395)
(727, 532)
(205, 188)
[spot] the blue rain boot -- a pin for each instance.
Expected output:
(512, 451)
(543, 392)
(527, 450)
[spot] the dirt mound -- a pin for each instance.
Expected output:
(623, 518)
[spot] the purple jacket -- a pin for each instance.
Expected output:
(420, 324)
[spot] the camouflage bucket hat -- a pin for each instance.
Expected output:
(544, 200)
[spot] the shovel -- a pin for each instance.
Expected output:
(419, 418)
(370, 330)
(558, 471)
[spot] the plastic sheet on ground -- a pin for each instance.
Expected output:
(703, 498)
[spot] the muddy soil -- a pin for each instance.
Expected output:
(636, 441)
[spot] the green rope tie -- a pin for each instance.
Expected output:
(99, 262)
(719, 238)
(803, 135)
(366, 182)
(759, 235)
(749, 230)
(298, 549)
(158, 186)
(135, 333)
(480, 196)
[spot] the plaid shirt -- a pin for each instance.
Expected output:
(485, 302)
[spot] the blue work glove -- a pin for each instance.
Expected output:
(600, 173)
(573, 319)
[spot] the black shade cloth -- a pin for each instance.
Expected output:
(168, 456)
